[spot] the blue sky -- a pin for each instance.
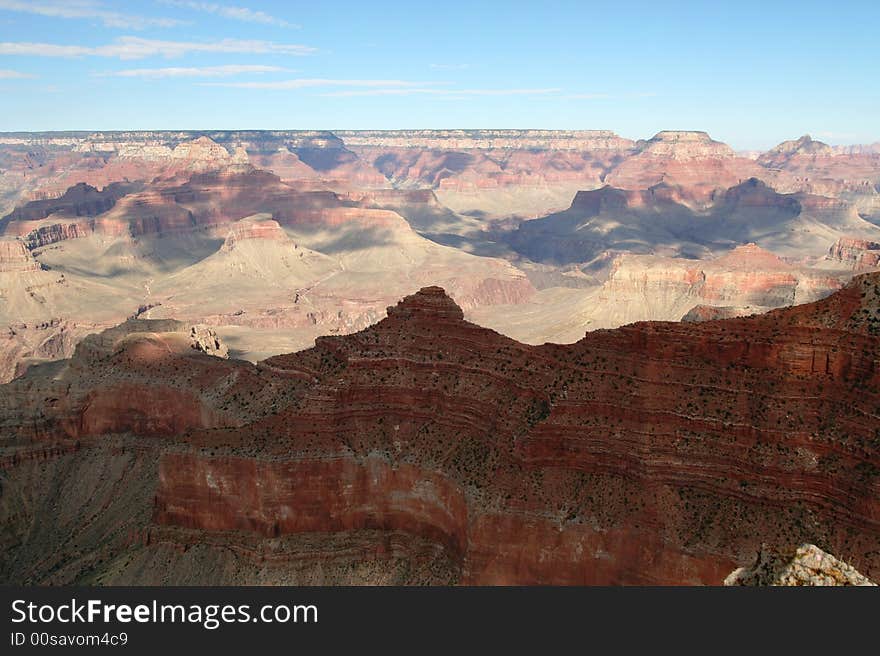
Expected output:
(750, 73)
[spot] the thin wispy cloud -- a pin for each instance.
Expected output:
(131, 47)
(304, 83)
(608, 96)
(194, 71)
(460, 93)
(450, 67)
(589, 96)
(231, 12)
(6, 74)
(86, 9)
(381, 88)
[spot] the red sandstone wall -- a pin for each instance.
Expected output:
(274, 498)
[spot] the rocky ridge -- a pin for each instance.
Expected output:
(427, 449)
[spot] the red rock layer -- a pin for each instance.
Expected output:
(142, 409)
(274, 498)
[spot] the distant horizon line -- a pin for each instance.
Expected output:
(81, 132)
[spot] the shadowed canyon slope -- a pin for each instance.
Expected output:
(425, 449)
(664, 220)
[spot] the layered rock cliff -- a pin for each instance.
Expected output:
(428, 449)
(584, 140)
(15, 257)
(810, 165)
(746, 277)
(539, 170)
(860, 254)
(688, 159)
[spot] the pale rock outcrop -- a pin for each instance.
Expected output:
(808, 565)
(206, 340)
